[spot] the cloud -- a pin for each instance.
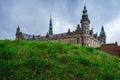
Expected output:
(112, 28)
(60, 25)
(33, 16)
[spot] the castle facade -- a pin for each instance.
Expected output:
(81, 36)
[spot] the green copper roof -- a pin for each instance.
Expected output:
(84, 10)
(102, 30)
(50, 27)
(50, 21)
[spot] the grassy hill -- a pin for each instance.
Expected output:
(35, 60)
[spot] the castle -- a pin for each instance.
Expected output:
(81, 36)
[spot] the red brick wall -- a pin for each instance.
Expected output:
(114, 50)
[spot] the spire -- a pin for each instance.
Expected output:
(85, 9)
(18, 29)
(50, 27)
(50, 21)
(102, 30)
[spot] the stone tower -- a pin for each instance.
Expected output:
(18, 33)
(102, 35)
(50, 27)
(85, 27)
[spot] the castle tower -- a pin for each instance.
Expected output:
(78, 29)
(102, 35)
(85, 27)
(18, 33)
(50, 27)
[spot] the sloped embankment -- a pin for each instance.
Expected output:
(35, 60)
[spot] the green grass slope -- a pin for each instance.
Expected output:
(35, 60)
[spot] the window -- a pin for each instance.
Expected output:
(78, 40)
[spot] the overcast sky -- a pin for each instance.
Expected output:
(33, 16)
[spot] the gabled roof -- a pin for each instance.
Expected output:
(27, 36)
